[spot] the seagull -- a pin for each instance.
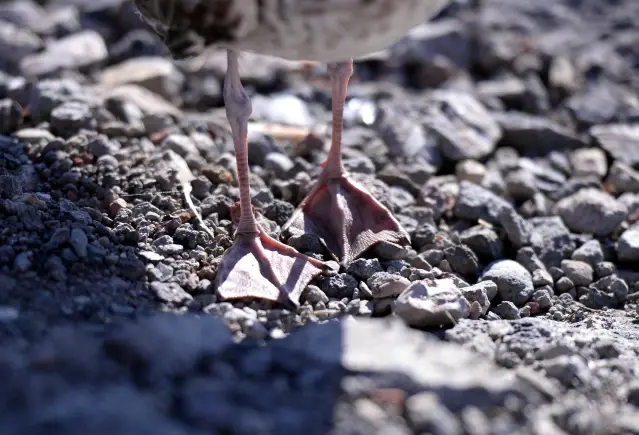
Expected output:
(345, 217)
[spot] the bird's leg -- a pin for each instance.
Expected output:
(344, 215)
(256, 266)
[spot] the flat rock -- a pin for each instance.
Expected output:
(432, 303)
(78, 50)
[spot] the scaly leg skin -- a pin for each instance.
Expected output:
(347, 218)
(256, 266)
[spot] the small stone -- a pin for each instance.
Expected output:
(517, 228)
(507, 310)
(551, 240)
(23, 261)
(341, 285)
(385, 285)
(8, 314)
(543, 297)
(627, 246)
(181, 144)
(470, 170)
(475, 202)
(462, 260)
(79, 241)
(279, 163)
(579, 272)
(432, 303)
(363, 268)
(479, 294)
(157, 74)
(541, 278)
(604, 268)
(590, 252)
(623, 178)
(589, 161)
(591, 211)
(513, 280)
(564, 284)
(69, 118)
(170, 293)
(314, 294)
(78, 50)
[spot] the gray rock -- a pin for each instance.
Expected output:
(623, 178)
(528, 132)
(427, 414)
(78, 50)
(68, 118)
(481, 293)
(541, 278)
(517, 228)
(564, 284)
(551, 240)
(363, 268)
(181, 144)
(591, 211)
(386, 285)
(462, 260)
(483, 241)
(279, 163)
(474, 202)
(627, 246)
(543, 297)
(101, 146)
(465, 129)
(157, 74)
(589, 161)
(16, 42)
(513, 280)
(590, 252)
(579, 272)
(507, 310)
(432, 303)
(619, 140)
(170, 293)
(339, 286)
(79, 241)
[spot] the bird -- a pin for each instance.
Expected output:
(342, 213)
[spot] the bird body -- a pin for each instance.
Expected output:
(317, 30)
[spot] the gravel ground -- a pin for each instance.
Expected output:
(505, 138)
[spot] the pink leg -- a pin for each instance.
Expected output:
(343, 214)
(256, 266)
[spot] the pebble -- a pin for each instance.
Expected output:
(481, 293)
(579, 272)
(590, 252)
(475, 202)
(589, 161)
(82, 49)
(363, 268)
(513, 281)
(17, 42)
(341, 285)
(619, 140)
(470, 170)
(170, 293)
(157, 74)
(431, 303)
(386, 285)
(507, 310)
(622, 178)
(70, 117)
(627, 246)
(591, 211)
